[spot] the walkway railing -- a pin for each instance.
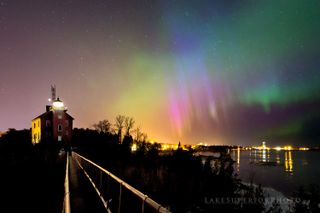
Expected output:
(66, 201)
(115, 194)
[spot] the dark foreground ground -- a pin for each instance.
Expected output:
(35, 183)
(32, 183)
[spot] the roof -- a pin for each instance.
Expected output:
(69, 116)
(42, 115)
(50, 113)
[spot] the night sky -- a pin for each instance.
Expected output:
(217, 72)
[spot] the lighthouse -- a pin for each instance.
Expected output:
(54, 125)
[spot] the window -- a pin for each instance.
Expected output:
(59, 138)
(38, 123)
(59, 116)
(34, 125)
(59, 128)
(48, 123)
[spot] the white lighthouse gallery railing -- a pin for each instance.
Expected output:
(115, 194)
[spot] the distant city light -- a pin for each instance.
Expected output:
(262, 147)
(134, 147)
(169, 147)
(303, 149)
(278, 148)
(288, 148)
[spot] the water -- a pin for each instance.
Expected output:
(284, 171)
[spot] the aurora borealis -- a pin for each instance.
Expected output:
(219, 72)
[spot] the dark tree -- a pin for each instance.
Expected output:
(119, 125)
(128, 125)
(103, 126)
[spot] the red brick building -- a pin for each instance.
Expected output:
(53, 126)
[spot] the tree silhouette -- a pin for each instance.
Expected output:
(119, 125)
(144, 137)
(138, 134)
(103, 126)
(128, 125)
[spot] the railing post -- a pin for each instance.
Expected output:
(120, 195)
(108, 184)
(100, 185)
(142, 208)
(108, 191)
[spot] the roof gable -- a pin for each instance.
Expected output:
(46, 114)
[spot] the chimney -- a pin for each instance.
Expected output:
(48, 107)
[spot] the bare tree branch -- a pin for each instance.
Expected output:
(102, 126)
(119, 125)
(128, 124)
(144, 137)
(138, 134)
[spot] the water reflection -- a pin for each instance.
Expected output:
(278, 160)
(260, 155)
(265, 157)
(238, 159)
(288, 162)
(284, 170)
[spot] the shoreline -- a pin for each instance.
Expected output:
(272, 195)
